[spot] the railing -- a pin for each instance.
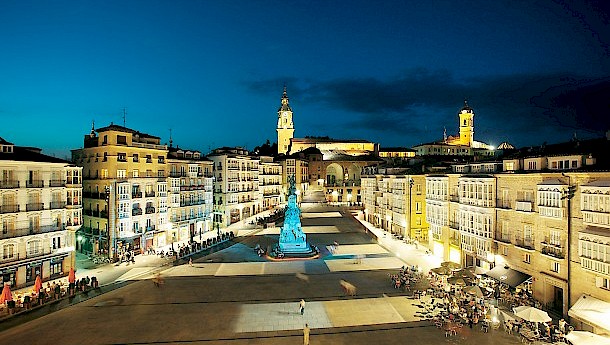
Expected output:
(596, 218)
(94, 232)
(56, 183)
(551, 212)
(34, 184)
(527, 243)
(150, 228)
(136, 195)
(454, 225)
(9, 208)
(9, 184)
(524, 206)
(10, 233)
(503, 204)
(454, 241)
(552, 248)
(149, 146)
(37, 206)
(177, 174)
(149, 194)
(57, 204)
(136, 211)
(150, 210)
(20, 256)
(502, 237)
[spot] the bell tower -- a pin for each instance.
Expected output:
(285, 127)
(466, 124)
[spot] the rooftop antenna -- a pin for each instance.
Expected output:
(170, 137)
(124, 115)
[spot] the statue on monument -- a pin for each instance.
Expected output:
(292, 237)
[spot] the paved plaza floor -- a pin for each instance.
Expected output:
(235, 297)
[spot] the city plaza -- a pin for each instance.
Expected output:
(234, 296)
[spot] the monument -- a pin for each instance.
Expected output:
(293, 241)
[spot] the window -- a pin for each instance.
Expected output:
(504, 250)
(121, 157)
(121, 173)
(603, 283)
(56, 268)
(34, 247)
(161, 159)
(555, 267)
(8, 251)
(136, 173)
(135, 157)
(104, 173)
(56, 242)
(527, 258)
(121, 140)
(105, 140)
(418, 207)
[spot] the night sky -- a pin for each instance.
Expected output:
(393, 72)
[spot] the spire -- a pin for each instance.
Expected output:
(170, 138)
(92, 133)
(285, 104)
(466, 106)
(445, 134)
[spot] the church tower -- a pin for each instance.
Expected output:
(285, 127)
(466, 125)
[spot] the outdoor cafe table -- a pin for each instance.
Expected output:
(527, 335)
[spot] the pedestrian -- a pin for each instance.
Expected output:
(191, 262)
(306, 335)
(302, 306)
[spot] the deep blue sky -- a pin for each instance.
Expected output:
(394, 72)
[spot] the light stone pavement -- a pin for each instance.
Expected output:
(220, 311)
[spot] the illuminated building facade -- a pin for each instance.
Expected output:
(40, 212)
(190, 195)
(270, 183)
(124, 191)
(236, 185)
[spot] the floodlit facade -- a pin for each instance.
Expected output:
(270, 183)
(297, 165)
(396, 203)
(125, 191)
(190, 195)
(236, 185)
(40, 212)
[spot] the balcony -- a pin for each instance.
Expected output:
(550, 212)
(177, 174)
(136, 195)
(454, 198)
(136, 212)
(150, 228)
(56, 183)
(524, 206)
(527, 243)
(19, 232)
(553, 249)
(503, 204)
(9, 208)
(104, 214)
(594, 218)
(57, 205)
(454, 241)
(437, 236)
(35, 206)
(9, 184)
(34, 184)
(503, 237)
(149, 194)
(150, 210)
(594, 265)
(73, 182)
(454, 225)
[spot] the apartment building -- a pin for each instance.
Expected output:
(270, 183)
(40, 212)
(236, 185)
(542, 224)
(396, 203)
(298, 165)
(190, 200)
(124, 190)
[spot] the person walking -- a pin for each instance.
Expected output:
(306, 334)
(302, 306)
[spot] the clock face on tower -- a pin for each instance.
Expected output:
(285, 114)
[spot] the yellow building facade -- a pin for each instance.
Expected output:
(125, 191)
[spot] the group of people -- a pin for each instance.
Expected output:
(406, 278)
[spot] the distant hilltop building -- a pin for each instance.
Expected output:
(461, 145)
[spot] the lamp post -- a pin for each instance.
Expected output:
(411, 182)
